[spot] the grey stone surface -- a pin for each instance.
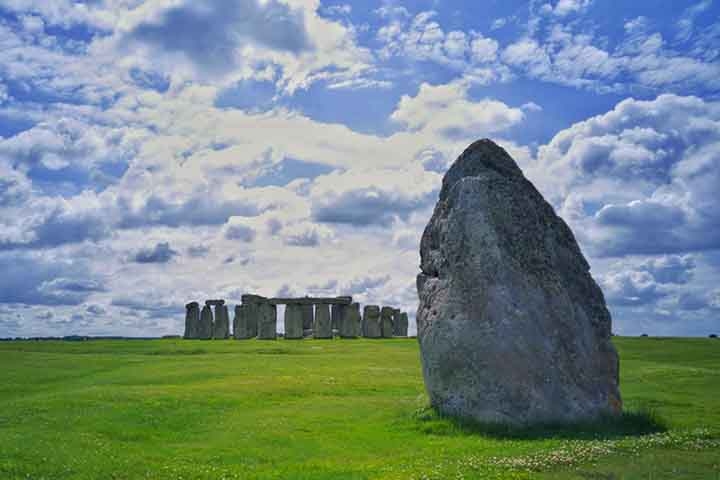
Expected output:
(308, 316)
(192, 320)
(336, 315)
(322, 328)
(214, 303)
(293, 321)
(403, 328)
(221, 325)
(241, 324)
(386, 322)
(350, 322)
(396, 322)
(266, 315)
(371, 322)
(205, 327)
(512, 327)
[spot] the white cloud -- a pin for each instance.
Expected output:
(448, 110)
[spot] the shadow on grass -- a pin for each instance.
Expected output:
(631, 423)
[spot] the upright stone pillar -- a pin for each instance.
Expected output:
(251, 312)
(350, 321)
(293, 321)
(221, 326)
(371, 321)
(396, 322)
(205, 326)
(386, 321)
(323, 324)
(403, 332)
(308, 318)
(192, 320)
(336, 315)
(241, 326)
(267, 321)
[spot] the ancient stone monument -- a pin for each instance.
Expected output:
(241, 325)
(371, 322)
(308, 318)
(293, 321)
(512, 327)
(323, 324)
(192, 320)
(221, 325)
(205, 327)
(350, 322)
(386, 322)
(256, 318)
(402, 330)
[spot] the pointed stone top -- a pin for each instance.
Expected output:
(480, 156)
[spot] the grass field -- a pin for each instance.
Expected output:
(355, 409)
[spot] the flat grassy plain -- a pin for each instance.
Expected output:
(340, 409)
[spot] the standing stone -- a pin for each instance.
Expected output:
(386, 321)
(205, 327)
(293, 321)
(403, 330)
(221, 326)
(266, 315)
(350, 321)
(241, 324)
(371, 322)
(396, 322)
(308, 317)
(323, 324)
(512, 327)
(192, 319)
(336, 315)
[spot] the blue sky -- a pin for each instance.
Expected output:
(156, 152)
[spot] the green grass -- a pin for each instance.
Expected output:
(172, 409)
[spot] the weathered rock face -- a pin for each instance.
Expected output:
(371, 322)
(308, 316)
(192, 319)
(512, 327)
(205, 327)
(350, 321)
(323, 324)
(221, 326)
(293, 321)
(241, 326)
(386, 322)
(403, 330)
(266, 316)
(396, 322)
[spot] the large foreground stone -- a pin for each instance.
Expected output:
(323, 324)
(512, 327)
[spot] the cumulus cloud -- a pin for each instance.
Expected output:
(361, 198)
(448, 110)
(160, 253)
(639, 178)
(38, 279)
(235, 229)
(213, 32)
